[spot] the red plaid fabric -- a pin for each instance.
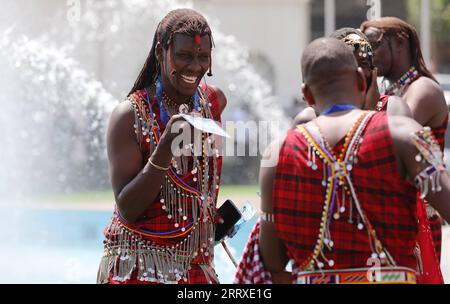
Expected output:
(439, 133)
(431, 270)
(384, 99)
(435, 220)
(388, 201)
(436, 231)
(251, 268)
(155, 219)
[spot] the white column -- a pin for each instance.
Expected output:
(330, 16)
(425, 30)
(375, 9)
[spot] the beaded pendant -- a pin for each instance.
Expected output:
(398, 88)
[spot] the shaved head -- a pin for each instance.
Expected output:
(331, 74)
(326, 60)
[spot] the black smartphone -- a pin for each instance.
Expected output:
(231, 215)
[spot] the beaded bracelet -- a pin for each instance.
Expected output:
(431, 154)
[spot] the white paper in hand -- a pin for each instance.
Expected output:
(205, 124)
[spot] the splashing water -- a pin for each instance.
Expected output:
(52, 122)
(55, 113)
(135, 21)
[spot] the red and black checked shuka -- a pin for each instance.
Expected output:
(388, 201)
(156, 219)
(434, 219)
(251, 268)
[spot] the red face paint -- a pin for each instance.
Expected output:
(198, 40)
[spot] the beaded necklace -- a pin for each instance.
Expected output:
(173, 108)
(398, 88)
(175, 189)
(337, 176)
(162, 96)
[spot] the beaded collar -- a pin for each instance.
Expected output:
(161, 96)
(405, 80)
(173, 108)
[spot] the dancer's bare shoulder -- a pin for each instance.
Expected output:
(122, 120)
(398, 107)
(402, 129)
(125, 158)
(221, 98)
(427, 102)
(304, 116)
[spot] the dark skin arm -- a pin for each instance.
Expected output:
(136, 183)
(398, 107)
(427, 102)
(304, 116)
(372, 94)
(222, 99)
(401, 130)
(273, 252)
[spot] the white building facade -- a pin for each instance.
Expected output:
(274, 31)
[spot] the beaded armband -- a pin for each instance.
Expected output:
(430, 153)
(268, 217)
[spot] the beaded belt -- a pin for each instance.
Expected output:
(394, 275)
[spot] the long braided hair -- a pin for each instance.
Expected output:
(395, 27)
(179, 21)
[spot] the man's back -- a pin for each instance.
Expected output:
(337, 208)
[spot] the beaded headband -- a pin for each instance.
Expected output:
(358, 43)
